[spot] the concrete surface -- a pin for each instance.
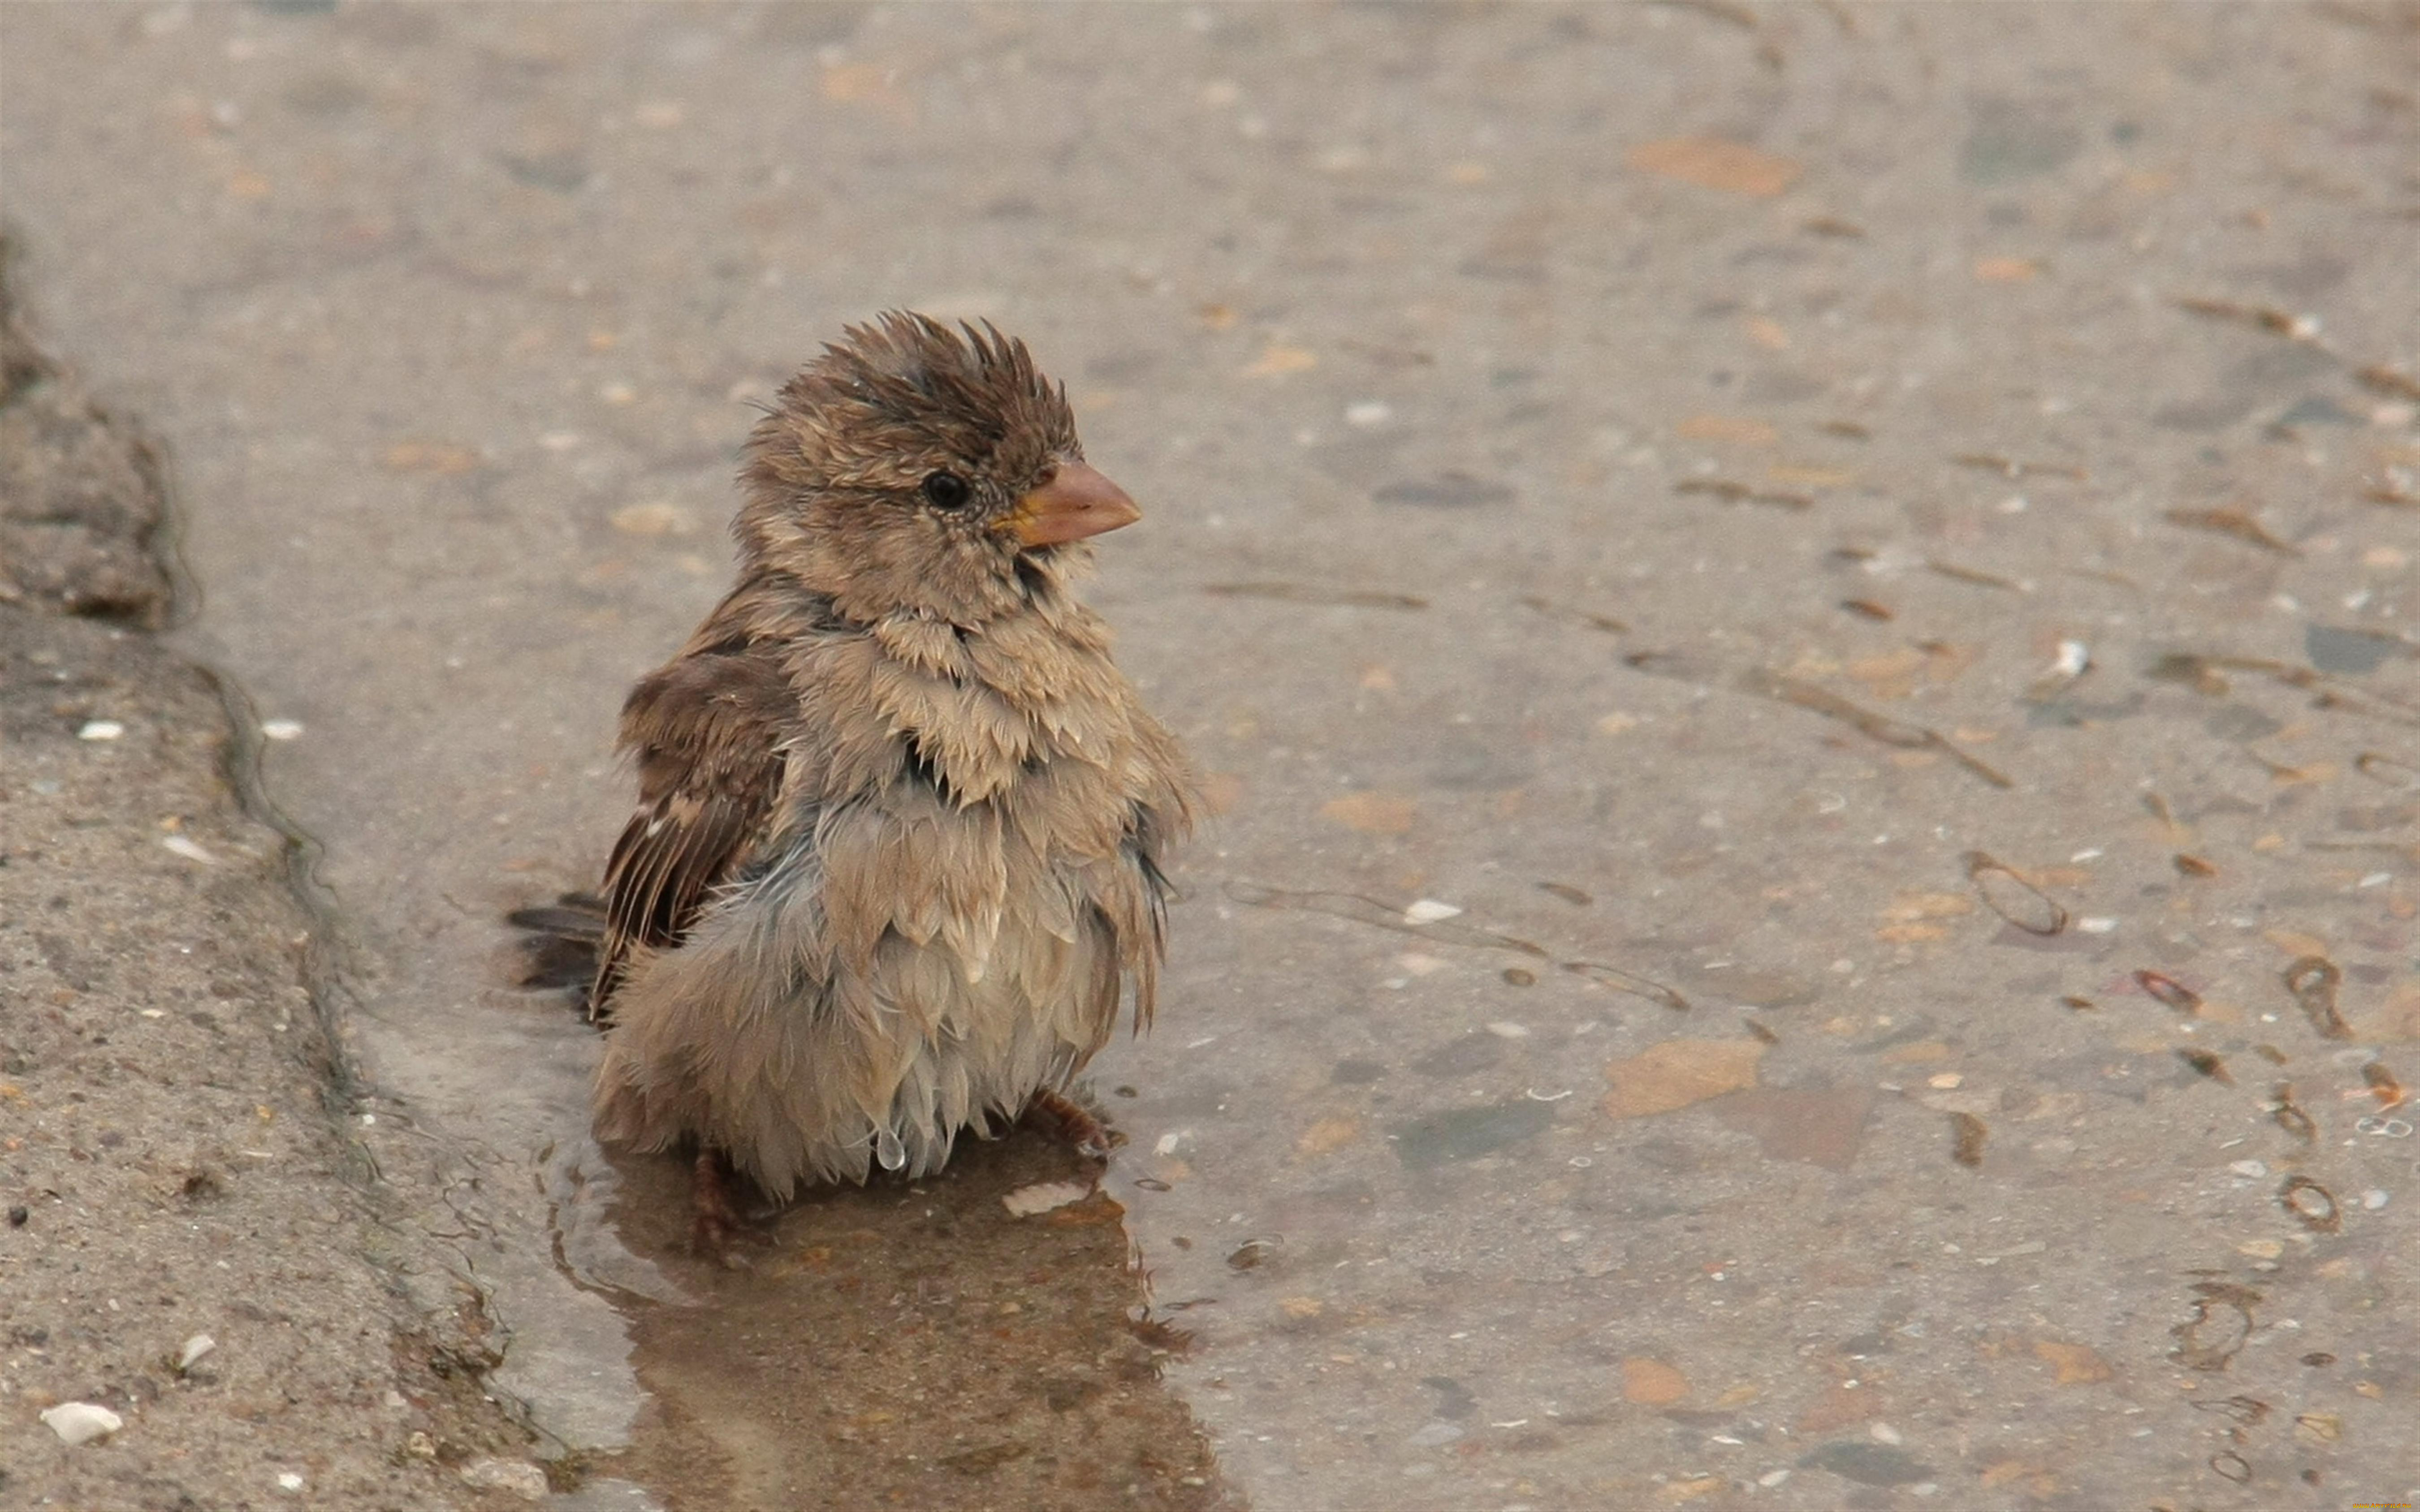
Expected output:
(191, 1243)
(1867, 550)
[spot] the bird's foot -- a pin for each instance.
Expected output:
(1075, 1123)
(719, 1223)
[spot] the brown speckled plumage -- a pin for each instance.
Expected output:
(896, 854)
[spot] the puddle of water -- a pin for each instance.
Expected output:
(489, 1100)
(917, 1344)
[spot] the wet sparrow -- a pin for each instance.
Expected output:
(897, 850)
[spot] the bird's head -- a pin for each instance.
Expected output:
(913, 466)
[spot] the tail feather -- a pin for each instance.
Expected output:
(563, 921)
(559, 950)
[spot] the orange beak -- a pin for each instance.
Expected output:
(1077, 503)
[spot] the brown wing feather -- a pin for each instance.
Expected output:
(705, 730)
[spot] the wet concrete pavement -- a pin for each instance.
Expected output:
(1797, 614)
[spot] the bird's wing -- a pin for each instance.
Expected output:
(705, 730)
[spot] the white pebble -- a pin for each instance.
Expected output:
(100, 730)
(1042, 1196)
(2374, 1198)
(1428, 911)
(1506, 1029)
(199, 1345)
(516, 1476)
(1772, 1478)
(188, 849)
(2096, 926)
(282, 729)
(1367, 412)
(81, 1422)
(1884, 1433)
(289, 1481)
(2249, 1168)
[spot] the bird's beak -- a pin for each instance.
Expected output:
(1077, 501)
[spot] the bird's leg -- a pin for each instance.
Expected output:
(1075, 1123)
(718, 1220)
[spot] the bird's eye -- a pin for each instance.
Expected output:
(947, 490)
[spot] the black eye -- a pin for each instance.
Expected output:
(947, 490)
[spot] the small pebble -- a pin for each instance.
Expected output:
(2249, 1168)
(516, 1476)
(289, 1481)
(1884, 1433)
(282, 729)
(2096, 926)
(1428, 911)
(100, 730)
(1042, 1196)
(1504, 1029)
(199, 1345)
(1365, 412)
(2374, 1198)
(188, 849)
(81, 1422)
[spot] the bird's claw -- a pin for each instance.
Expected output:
(1077, 1125)
(719, 1223)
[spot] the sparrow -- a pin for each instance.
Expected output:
(899, 845)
